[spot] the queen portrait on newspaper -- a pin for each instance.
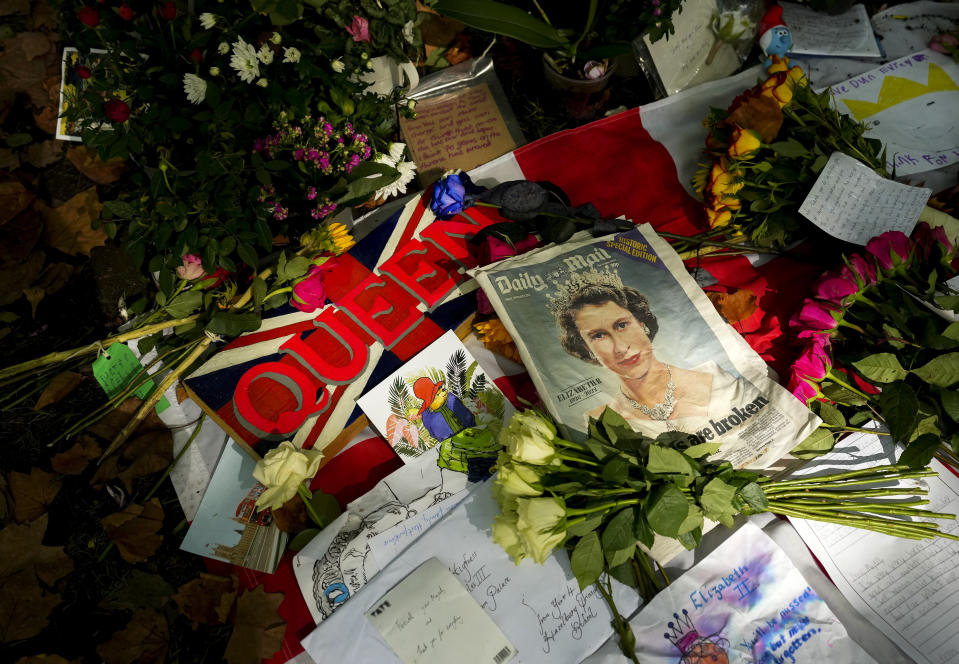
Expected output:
(603, 322)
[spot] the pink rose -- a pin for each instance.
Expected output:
(927, 237)
(496, 249)
(814, 316)
(863, 269)
(310, 293)
(801, 388)
(192, 267)
(944, 43)
(359, 29)
(835, 288)
(891, 249)
(814, 362)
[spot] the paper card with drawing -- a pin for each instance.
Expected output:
(429, 618)
(910, 105)
(851, 202)
(908, 589)
(743, 603)
(433, 400)
(538, 607)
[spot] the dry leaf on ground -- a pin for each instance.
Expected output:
(135, 530)
(19, 236)
(8, 7)
(32, 493)
(45, 659)
(21, 547)
(144, 640)
(14, 199)
(24, 606)
(44, 16)
(88, 162)
(207, 599)
(68, 226)
(62, 384)
(76, 459)
(148, 452)
(138, 590)
(46, 119)
(27, 60)
(258, 629)
(14, 277)
(54, 277)
(736, 306)
(45, 153)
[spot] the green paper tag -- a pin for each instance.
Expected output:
(116, 369)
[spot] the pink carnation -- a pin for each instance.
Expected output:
(496, 249)
(359, 29)
(192, 267)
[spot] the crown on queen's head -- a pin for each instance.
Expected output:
(683, 633)
(570, 289)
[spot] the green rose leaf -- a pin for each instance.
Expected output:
(625, 574)
(717, 501)
(616, 470)
(247, 254)
(790, 148)
(693, 520)
(950, 403)
(881, 368)
(326, 507)
(668, 509)
(587, 560)
(591, 523)
(919, 452)
(900, 408)
(831, 415)
(754, 496)
(951, 332)
(641, 530)
(618, 541)
(941, 371)
(893, 336)
(233, 323)
(948, 302)
(185, 304)
(302, 539)
(818, 442)
(835, 392)
(702, 450)
(259, 291)
(691, 539)
(665, 460)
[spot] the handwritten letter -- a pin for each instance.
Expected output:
(430, 617)
(462, 129)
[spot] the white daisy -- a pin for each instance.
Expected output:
(223, 48)
(262, 83)
(408, 31)
(396, 152)
(265, 54)
(407, 171)
(207, 20)
(291, 54)
(338, 66)
(244, 61)
(194, 87)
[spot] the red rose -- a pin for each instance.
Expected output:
(83, 72)
(116, 110)
(168, 10)
(89, 16)
(196, 56)
(125, 12)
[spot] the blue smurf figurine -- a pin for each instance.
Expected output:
(775, 40)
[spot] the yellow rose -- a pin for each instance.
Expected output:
(797, 76)
(718, 218)
(745, 143)
(541, 524)
(282, 471)
(507, 536)
(783, 93)
(727, 183)
(777, 66)
(518, 480)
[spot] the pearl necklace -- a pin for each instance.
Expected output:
(662, 410)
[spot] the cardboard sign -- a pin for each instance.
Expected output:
(298, 376)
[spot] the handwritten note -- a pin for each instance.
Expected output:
(744, 602)
(538, 607)
(851, 202)
(387, 545)
(430, 618)
(909, 104)
(908, 589)
(815, 33)
(117, 368)
(461, 129)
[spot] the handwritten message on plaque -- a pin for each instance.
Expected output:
(462, 129)
(430, 617)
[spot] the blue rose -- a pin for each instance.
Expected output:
(452, 194)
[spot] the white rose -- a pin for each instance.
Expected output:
(529, 438)
(519, 480)
(541, 524)
(282, 471)
(506, 535)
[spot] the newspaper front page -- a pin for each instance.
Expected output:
(618, 322)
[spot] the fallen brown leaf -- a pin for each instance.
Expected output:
(44, 16)
(292, 516)
(736, 306)
(9, 161)
(134, 530)
(149, 450)
(88, 162)
(32, 493)
(62, 384)
(45, 153)
(45, 659)
(148, 453)
(8, 7)
(13, 277)
(21, 547)
(34, 295)
(27, 60)
(258, 629)
(14, 199)
(54, 277)
(19, 236)
(46, 119)
(68, 226)
(24, 606)
(144, 640)
(207, 599)
(75, 460)
(138, 590)
(761, 114)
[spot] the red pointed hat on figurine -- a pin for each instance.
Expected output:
(773, 18)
